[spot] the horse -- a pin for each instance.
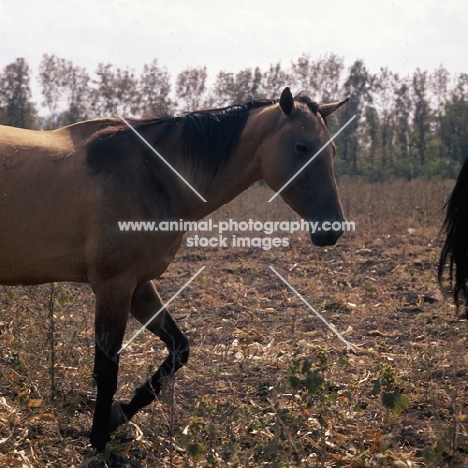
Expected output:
(63, 192)
(455, 248)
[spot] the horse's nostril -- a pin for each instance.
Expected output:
(324, 239)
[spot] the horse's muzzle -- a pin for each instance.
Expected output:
(325, 238)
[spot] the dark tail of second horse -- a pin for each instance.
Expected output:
(455, 249)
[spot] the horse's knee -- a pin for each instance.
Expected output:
(179, 350)
(184, 350)
(176, 342)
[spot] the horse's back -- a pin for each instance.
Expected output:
(19, 142)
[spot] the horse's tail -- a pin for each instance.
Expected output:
(455, 227)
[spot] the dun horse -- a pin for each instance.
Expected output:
(63, 192)
(455, 248)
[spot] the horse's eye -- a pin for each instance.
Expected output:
(301, 148)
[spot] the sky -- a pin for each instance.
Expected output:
(232, 35)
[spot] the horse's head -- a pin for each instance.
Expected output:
(301, 131)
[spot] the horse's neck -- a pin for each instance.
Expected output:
(230, 184)
(240, 172)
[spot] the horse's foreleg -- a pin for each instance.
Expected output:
(145, 303)
(112, 308)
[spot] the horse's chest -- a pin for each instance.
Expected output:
(162, 257)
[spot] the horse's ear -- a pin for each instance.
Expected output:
(286, 101)
(329, 108)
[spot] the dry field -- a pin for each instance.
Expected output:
(267, 385)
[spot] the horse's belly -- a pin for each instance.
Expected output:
(41, 240)
(27, 261)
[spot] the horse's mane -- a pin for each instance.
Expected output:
(207, 137)
(455, 248)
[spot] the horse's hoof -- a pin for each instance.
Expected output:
(116, 461)
(117, 417)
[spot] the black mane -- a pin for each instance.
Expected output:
(207, 137)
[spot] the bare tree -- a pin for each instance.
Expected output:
(191, 87)
(154, 89)
(16, 108)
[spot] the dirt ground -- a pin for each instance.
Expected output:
(267, 384)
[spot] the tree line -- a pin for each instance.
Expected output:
(405, 126)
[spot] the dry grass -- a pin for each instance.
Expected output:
(267, 385)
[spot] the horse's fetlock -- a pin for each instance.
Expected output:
(98, 441)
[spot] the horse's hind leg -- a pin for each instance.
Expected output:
(145, 303)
